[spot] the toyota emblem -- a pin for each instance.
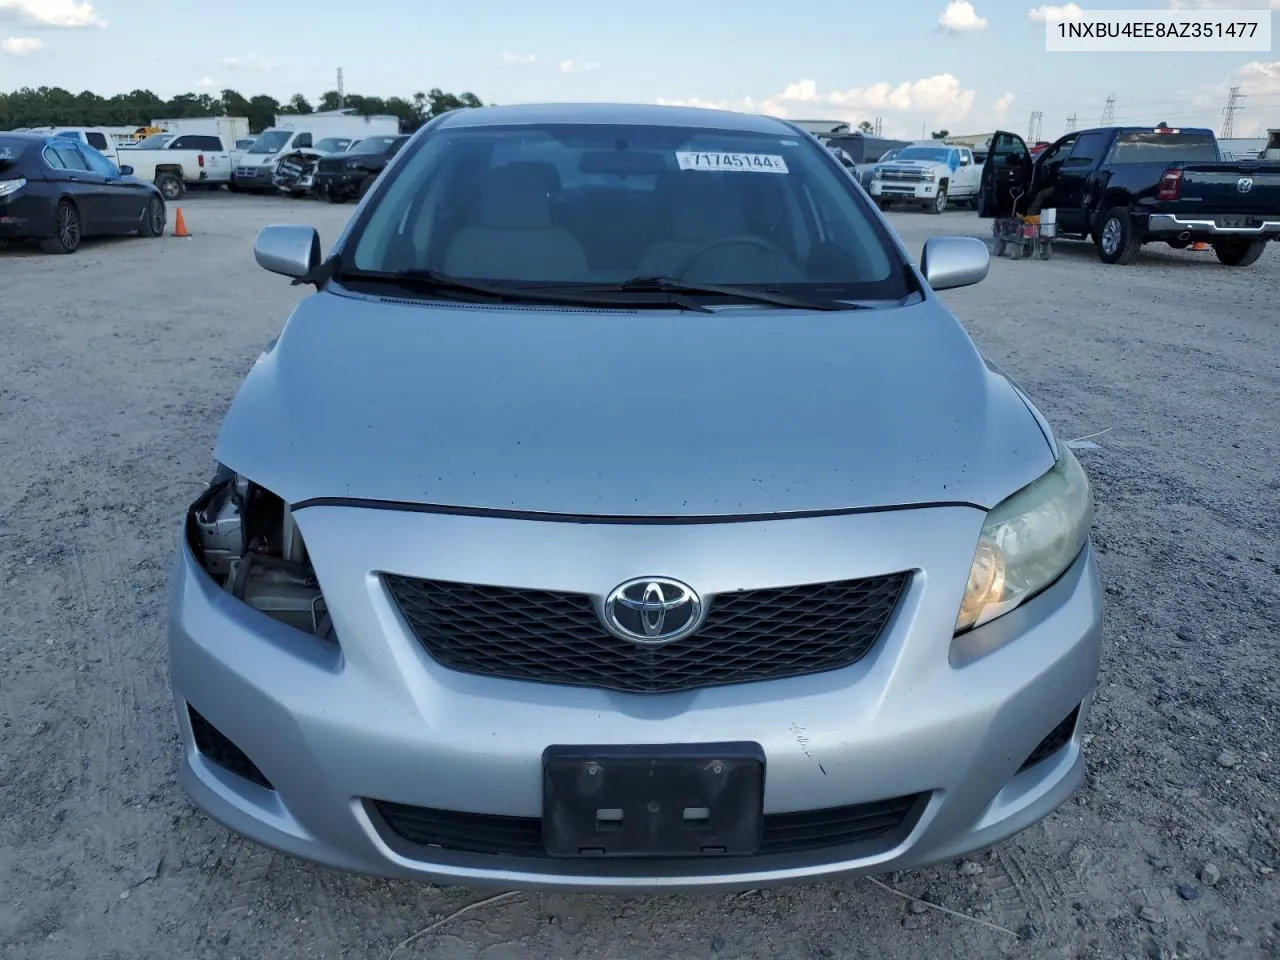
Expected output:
(653, 610)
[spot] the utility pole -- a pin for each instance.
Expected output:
(878, 126)
(342, 97)
(1033, 128)
(1234, 101)
(1109, 111)
(1071, 123)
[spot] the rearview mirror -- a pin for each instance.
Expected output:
(287, 249)
(949, 262)
(126, 171)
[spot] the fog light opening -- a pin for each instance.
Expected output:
(1058, 738)
(217, 748)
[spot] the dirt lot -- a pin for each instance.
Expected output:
(117, 365)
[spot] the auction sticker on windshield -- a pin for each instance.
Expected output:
(745, 162)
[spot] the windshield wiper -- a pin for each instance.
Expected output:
(583, 295)
(744, 294)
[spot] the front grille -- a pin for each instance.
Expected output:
(522, 836)
(554, 637)
(908, 175)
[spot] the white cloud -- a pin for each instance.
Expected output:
(938, 101)
(207, 83)
(1258, 79)
(52, 13)
(574, 66)
(960, 17)
(1068, 12)
(516, 59)
(252, 63)
(1224, 4)
(1000, 109)
(21, 46)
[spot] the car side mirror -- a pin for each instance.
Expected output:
(287, 249)
(949, 262)
(126, 171)
(964, 161)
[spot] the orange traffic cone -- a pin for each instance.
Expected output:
(180, 225)
(1200, 245)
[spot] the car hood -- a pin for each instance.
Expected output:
(629, 413)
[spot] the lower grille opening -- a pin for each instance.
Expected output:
(1058, 738)
(214, 746)
(885, 820)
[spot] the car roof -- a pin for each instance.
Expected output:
(661, 115)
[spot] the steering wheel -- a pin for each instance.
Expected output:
(740, 240)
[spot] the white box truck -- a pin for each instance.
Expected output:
(318, 133)
(230, 129)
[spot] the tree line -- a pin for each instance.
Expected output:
(53, 106)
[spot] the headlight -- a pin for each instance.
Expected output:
(930, 175)
(877, 171)
(1027, 542)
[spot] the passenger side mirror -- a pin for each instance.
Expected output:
(949, 262)
(288, 249)
(964, 161)
(126, 171)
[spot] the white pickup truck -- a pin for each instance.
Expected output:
(189, 159)
(929, 174)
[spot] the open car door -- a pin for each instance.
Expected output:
(1007, 170)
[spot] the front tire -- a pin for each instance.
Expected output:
(170, 186)
(153, 219)
(1239, 253)
(1117, 240)
(66, 229)
(939, 204)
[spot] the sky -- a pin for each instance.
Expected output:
(967, 66)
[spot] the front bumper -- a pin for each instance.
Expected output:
(379, 720)
(252, 178)
(1210, 225)
(923, 190)
(338, 182)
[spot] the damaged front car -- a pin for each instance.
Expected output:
(486, 592)
(294, 174)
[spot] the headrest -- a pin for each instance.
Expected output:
(708, 207)
(515, 197)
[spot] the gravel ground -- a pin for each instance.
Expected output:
(117, 366)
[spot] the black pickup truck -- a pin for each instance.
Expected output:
(1122, 187)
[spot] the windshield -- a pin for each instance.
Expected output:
(1163, 147)
(932, 154)
(333, 144)
(889, 155)
(373, 145)
(596, 203)
(272, 141)
(154, 142)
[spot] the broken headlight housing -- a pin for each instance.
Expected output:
(245, 538)
(1028, 541)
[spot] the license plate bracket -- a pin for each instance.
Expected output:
(668, 800)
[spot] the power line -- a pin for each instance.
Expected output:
(1234, 101)
(1109, 111)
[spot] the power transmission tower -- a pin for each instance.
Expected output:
(342, 97)
(1071, 124)
(1229, 111)
(1033, 128)
(1109, 111)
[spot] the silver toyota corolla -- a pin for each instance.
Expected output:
(623, 510)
